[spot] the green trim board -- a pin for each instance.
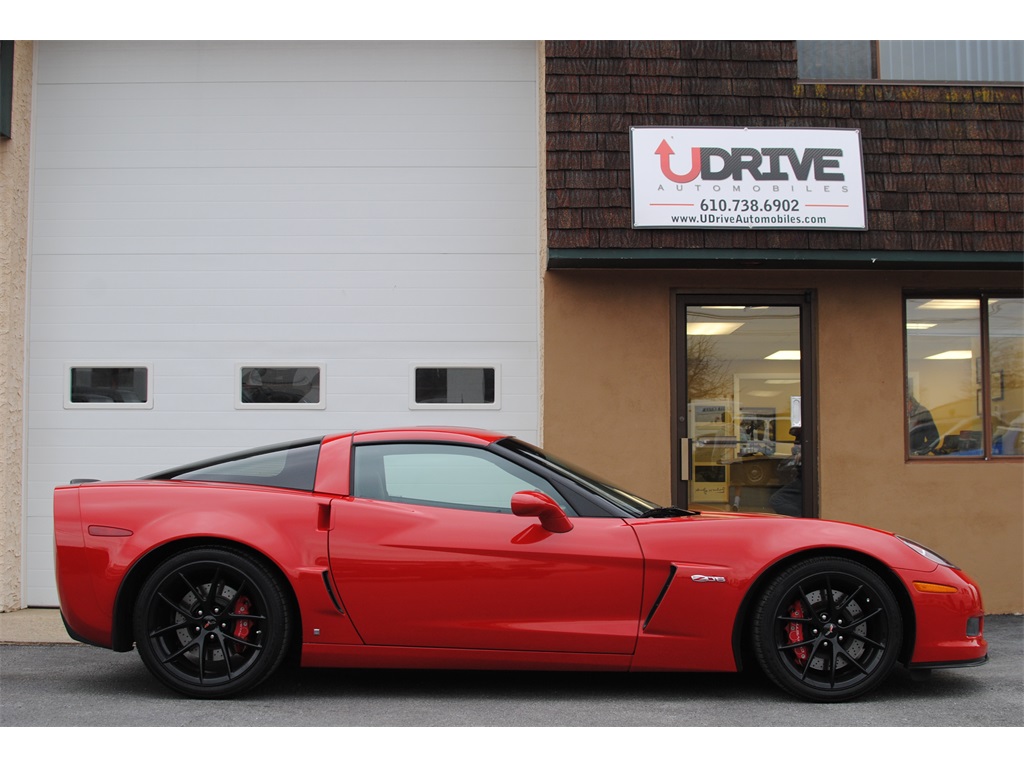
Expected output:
(6, 86)
(560, 258)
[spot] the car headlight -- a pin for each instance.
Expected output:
(935, 557)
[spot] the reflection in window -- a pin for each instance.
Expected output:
(950, 61)
(455, 386)
(965, 373)
(444, 476)
(280, 386)
(109, 387)
(835, 59)
(287, 466)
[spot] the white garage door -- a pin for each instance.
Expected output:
(210, 220)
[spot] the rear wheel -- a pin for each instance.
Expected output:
(827, 629)
(211, 622)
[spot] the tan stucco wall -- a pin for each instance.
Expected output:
(14, 174)
(607, 391)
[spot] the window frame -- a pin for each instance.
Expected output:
(876, 75)
(982, 374)
(241, 405)
(414, 405)
(68, 383)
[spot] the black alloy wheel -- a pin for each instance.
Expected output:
(211, 623)
(827, 629)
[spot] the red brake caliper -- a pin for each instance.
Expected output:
(242, 626)
(796, 632)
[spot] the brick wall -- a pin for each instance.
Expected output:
(944, 164)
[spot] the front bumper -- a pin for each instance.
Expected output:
(949, 624)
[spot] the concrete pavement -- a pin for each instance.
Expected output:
(33, 626)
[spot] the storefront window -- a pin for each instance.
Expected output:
(965, 370)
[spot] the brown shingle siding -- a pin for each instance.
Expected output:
(1013, 166)
(885, 239)
(943, 163)
(1012, 184)
(587, 49)
(770, 238)
(670, 68)
(614, 198)
(936, 241)
(562, 83)
(991, 242)
(671, 106)
(605, 66)
(610, 84)
(573, 103)
(967, 221)
(944, 183)
(724, 106)
(926, 111)
(607, 125)
(656, 85)
(875, 110)
(623, 238)
(690, 239)
(654, 49)
(975, 112)
(705, 49)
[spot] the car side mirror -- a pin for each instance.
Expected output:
(543, 507)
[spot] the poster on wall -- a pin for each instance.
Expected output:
(747, 178)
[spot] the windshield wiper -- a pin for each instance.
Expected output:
(670, 512)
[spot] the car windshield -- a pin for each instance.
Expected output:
(624, 500)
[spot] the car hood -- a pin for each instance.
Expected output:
(760, 539)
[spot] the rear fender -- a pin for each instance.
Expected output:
(287, 530)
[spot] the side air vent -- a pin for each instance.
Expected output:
(330, 592)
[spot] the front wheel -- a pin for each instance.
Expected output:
(211, 623)
(827, 629)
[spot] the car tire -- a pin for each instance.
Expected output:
(827, 629)
(211, 622)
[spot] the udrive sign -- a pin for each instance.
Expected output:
(747, 178)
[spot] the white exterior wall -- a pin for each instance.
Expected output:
(363, 206)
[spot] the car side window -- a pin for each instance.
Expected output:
(459, 477)
(291, 467)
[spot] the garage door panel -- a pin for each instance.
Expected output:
(200, 205)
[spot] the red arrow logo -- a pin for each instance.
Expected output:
(666, 153)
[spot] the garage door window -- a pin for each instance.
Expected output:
(280, 386)
(455, 386)
(120, 386)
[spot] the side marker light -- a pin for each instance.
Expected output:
(941, 589)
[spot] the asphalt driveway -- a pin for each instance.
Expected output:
(77, 685)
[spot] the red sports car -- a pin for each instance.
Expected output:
(458, 548)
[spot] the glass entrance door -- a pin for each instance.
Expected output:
(741, 411)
